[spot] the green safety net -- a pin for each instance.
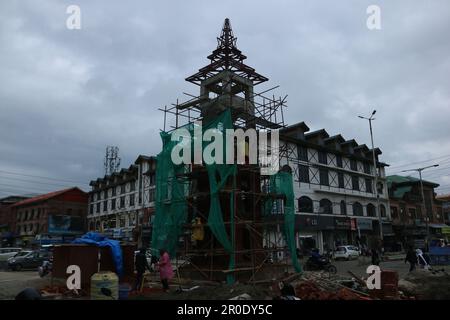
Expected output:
(172, 188)
(281, 183)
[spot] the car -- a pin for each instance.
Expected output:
(346, 253)
(6, 253)
(28, 259)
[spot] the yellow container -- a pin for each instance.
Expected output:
(104, 286)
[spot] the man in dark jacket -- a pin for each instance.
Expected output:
(141, 264)
(411, 258)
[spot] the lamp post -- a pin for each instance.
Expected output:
(427, 217)
(380, 222)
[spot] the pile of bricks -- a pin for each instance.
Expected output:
(308, 290)
(389, 286)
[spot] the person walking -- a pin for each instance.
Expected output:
(411, 257)
(375, 257)
(165, 269)
(140, 264)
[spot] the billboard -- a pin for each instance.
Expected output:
(65, 225)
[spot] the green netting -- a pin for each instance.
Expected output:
(172, 189)
(281, 183)
(171, 192)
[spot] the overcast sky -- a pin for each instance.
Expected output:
(67, 94)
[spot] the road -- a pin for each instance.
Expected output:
(359, 267)
(11, 283)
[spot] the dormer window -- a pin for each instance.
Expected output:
(323, 157)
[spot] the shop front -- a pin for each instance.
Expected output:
(313, 231)
(364, 230)
(344, 233)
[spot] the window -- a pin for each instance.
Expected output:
(366, 168)
(303, 173)
(302, 153)
(132, 199)
(113, 191)
(105, 205)
(412, 213)
(132, 186)
(98, 208)
(151, 195)
(91, 209)
(357, 209)
(343, 207)
(113, 204)
(355, 183)
(339, 161)
(305, 204)
(371, 212)
(353, 165)
(122, 189)
(323, 173)
(38, 213)
(326, 207)
(341, 180)
(323, 157)
(122, 202)
(369, 186)
(383, 210)
(152, 179)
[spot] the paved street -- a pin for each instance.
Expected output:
(359, 266)
(11, 283)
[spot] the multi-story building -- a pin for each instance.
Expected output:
(445, 201)
(121, 204)
(50, 217)
(7, 219)
(334, 189)
(411, 223)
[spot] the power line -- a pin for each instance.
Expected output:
(26, 188)
(41, 177)
(411, 163)
(31, 181)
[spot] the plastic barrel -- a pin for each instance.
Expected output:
(104, 286)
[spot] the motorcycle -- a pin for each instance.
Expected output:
(46, 268)
(322, 263)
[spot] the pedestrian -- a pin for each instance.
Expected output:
(411, 257)
(375, 257)
(141, 265)
(165, 269)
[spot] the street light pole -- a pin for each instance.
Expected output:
(378, 211)
(419, 170)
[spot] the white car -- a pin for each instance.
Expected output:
(6, 253)
(346, 253)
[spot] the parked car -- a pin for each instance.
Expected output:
(6, 253)
(346, 252)
(28, 259)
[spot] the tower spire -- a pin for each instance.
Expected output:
(227, 57)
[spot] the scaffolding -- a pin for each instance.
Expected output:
(252, 210)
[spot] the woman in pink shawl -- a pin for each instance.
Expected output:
(165, 269)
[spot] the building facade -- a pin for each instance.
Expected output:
(334, 189)
(121, 205)
(411, 222)
(7, 219)
(50, 217)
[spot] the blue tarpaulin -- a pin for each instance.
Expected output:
(97, 239)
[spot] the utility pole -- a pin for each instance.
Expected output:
(427, 216)
(380, 222)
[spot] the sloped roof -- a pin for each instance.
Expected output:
(44, 197)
